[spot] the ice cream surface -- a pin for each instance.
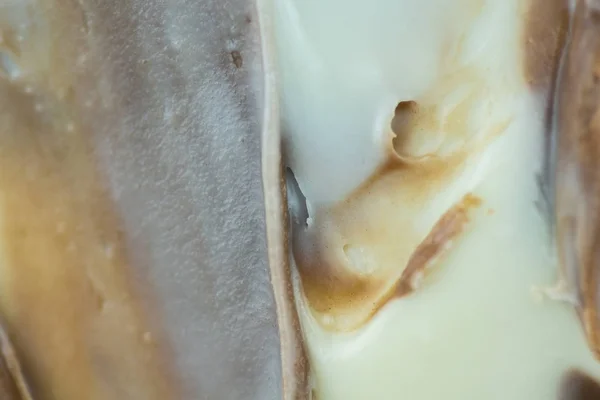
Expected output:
(417, 132)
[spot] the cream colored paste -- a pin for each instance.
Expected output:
(472, 106)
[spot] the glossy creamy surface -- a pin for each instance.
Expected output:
(476, 324)
(478, 329)
(351, 71)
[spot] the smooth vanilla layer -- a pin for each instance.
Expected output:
(477, 327)
(345, 65)
(479, 330)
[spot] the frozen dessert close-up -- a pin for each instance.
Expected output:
(299, 199)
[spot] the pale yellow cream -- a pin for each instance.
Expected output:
(476, 325)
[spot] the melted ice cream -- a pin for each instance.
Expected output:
(405, 291)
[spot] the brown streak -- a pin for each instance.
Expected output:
(450, 226)
(546, 27)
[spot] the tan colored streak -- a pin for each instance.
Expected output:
(439, 240)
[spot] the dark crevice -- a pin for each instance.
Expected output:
(416, 132)
(404, 115)
(576, 385)
(296, 200)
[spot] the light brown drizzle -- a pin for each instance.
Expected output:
(439, 240)
(341, 298)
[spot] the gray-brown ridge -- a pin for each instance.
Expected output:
(576, 166)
